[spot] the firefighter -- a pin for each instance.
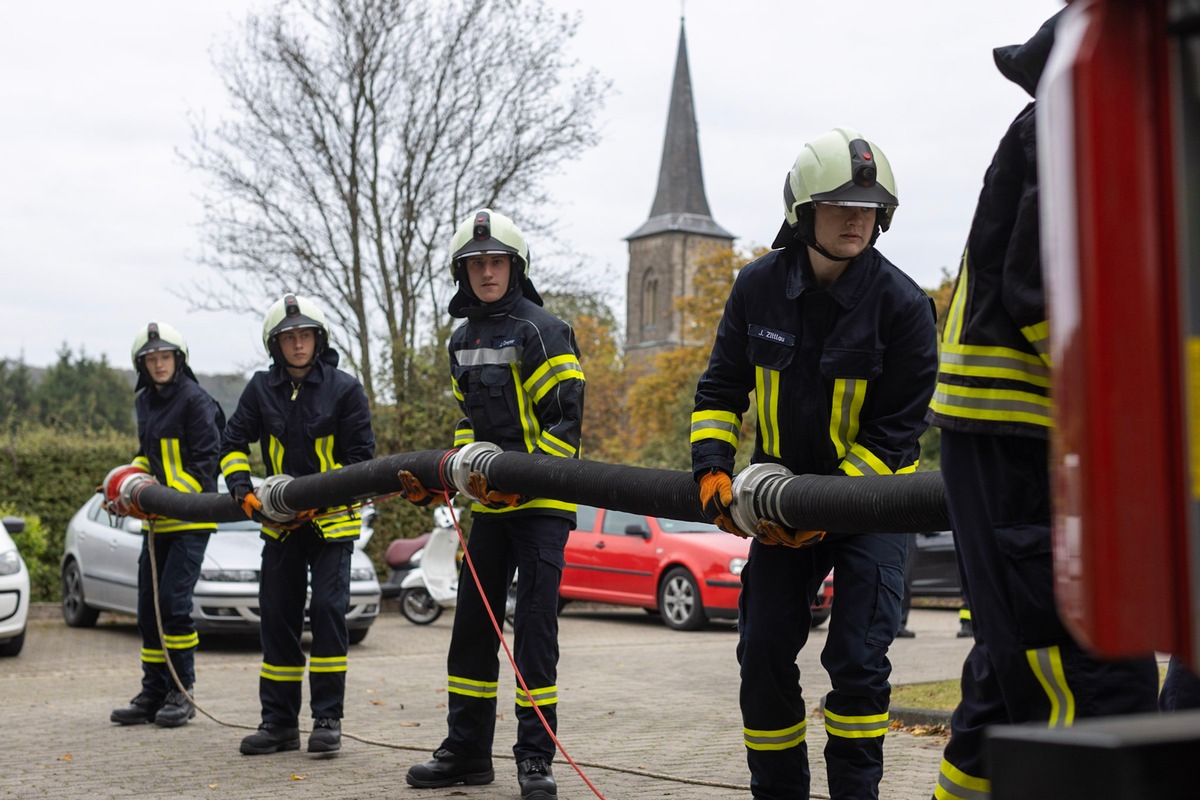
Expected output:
(179, 433)
(516, 375)
(992, 404)
(308, 417)
(840, 347)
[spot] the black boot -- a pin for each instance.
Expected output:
(326, 736)
(141, 709)
(536, 779)
(447, 769)
(270, 738)
(176, 710)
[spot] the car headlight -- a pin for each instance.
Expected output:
(229, 575)
(735, 565)
(10, 562)
(362, 574)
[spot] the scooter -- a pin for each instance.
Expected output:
(402, 557)
(432, 585)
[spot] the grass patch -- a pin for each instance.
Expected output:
(940, 695)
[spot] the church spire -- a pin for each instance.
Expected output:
(680, 203)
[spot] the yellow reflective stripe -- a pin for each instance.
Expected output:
(471, 688)
(323, 447)
(172, 460)
(766, 390)
(554, 371)
(327, 664)
(861, 461)
(529, 423)
(994, 363)
(554, 445)
(954, 784)
(275, 454)
(869, 726)
(956, 313)
(1047, 667)
(184, 641)
(1038, 335)
(722, 425)
(972, 402)
(168, 525)
(281, 674)
(537, 502)
(781, 739)
(153, 656)
(141, 462)
(463, 436)
(542, 697)
(277, 535)
(458, 395)
(233, 462)
(340, 525)
(848, 396)
(964, 614)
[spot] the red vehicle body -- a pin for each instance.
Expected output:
(687, 571)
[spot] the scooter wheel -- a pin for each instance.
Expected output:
(418, 607)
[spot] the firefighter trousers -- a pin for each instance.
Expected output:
(1024, 665)
(775, 616)
(177, 558)
(282, 592)
(498, 545)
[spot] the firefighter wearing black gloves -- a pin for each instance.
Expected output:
(992, 404)
(840, 348)
(516, 375)
(179, 433)
(308, 417)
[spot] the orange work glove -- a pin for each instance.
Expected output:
(770, 532)
(252, 508)
(716, 497)
(412, 490)
(478, 486)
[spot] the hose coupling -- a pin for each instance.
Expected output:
(270, 494)
(756, 494)
(473, 457)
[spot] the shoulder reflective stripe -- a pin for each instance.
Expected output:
(954, 784)
(861, 461)
(542, 697)
(323, 447)
(555, 446)
(141, 461)
(722, 425)
(153, 656)
(868, 726)
(184, 641)
(483, 356)
(1010, 405)
(549, 374)
(766, 388)
(955, 313)
(537, 502)
(1002, 363)
(471, 688)
(177, 477)
(327, 664)
(463, 436)
(782, 739)
(529, 423)
(848, 395)
(271, 672)
(275, 453)
(234, 462)
(168, 525)
(1047, 667)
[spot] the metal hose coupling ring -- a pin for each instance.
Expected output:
(755, 490)
(473, 457)
(270, 494)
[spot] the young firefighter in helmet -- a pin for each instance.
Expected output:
(840, 347)
(516, 375)
(308, 417)
(179, 437)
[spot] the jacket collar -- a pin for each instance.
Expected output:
(846, 291)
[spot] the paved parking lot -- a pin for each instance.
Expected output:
(645, 711)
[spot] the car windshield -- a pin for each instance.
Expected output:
(683, 526)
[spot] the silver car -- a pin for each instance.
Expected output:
(14, 590)
(100, 573)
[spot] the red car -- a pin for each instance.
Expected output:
(687, 571)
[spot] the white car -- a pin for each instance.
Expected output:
(100, 573)
(14, 590)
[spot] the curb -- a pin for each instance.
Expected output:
(927, 717)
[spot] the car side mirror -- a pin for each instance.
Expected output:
(14, 524)
(637, 530)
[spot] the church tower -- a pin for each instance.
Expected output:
(663, 252)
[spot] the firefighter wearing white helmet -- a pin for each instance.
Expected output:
(308, 417)
(840, 347)
(179, 438)
(516, 376)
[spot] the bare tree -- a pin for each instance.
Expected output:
(362, 132)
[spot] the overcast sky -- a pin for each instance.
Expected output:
(98, 216)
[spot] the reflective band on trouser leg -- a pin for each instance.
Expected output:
(1047, 667)
(471, 688)
(271, 672)
(334, 664)
(186, 641)
(954, 784)
(153, 656)
(782, 739)
(870, 726)
(541, 697)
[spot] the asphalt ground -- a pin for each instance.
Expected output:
(645, 712)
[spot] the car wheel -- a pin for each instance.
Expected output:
(75, 610)
(13, 646)
(679, 601)
(358, 634)
(819, 617)
(418, 607)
